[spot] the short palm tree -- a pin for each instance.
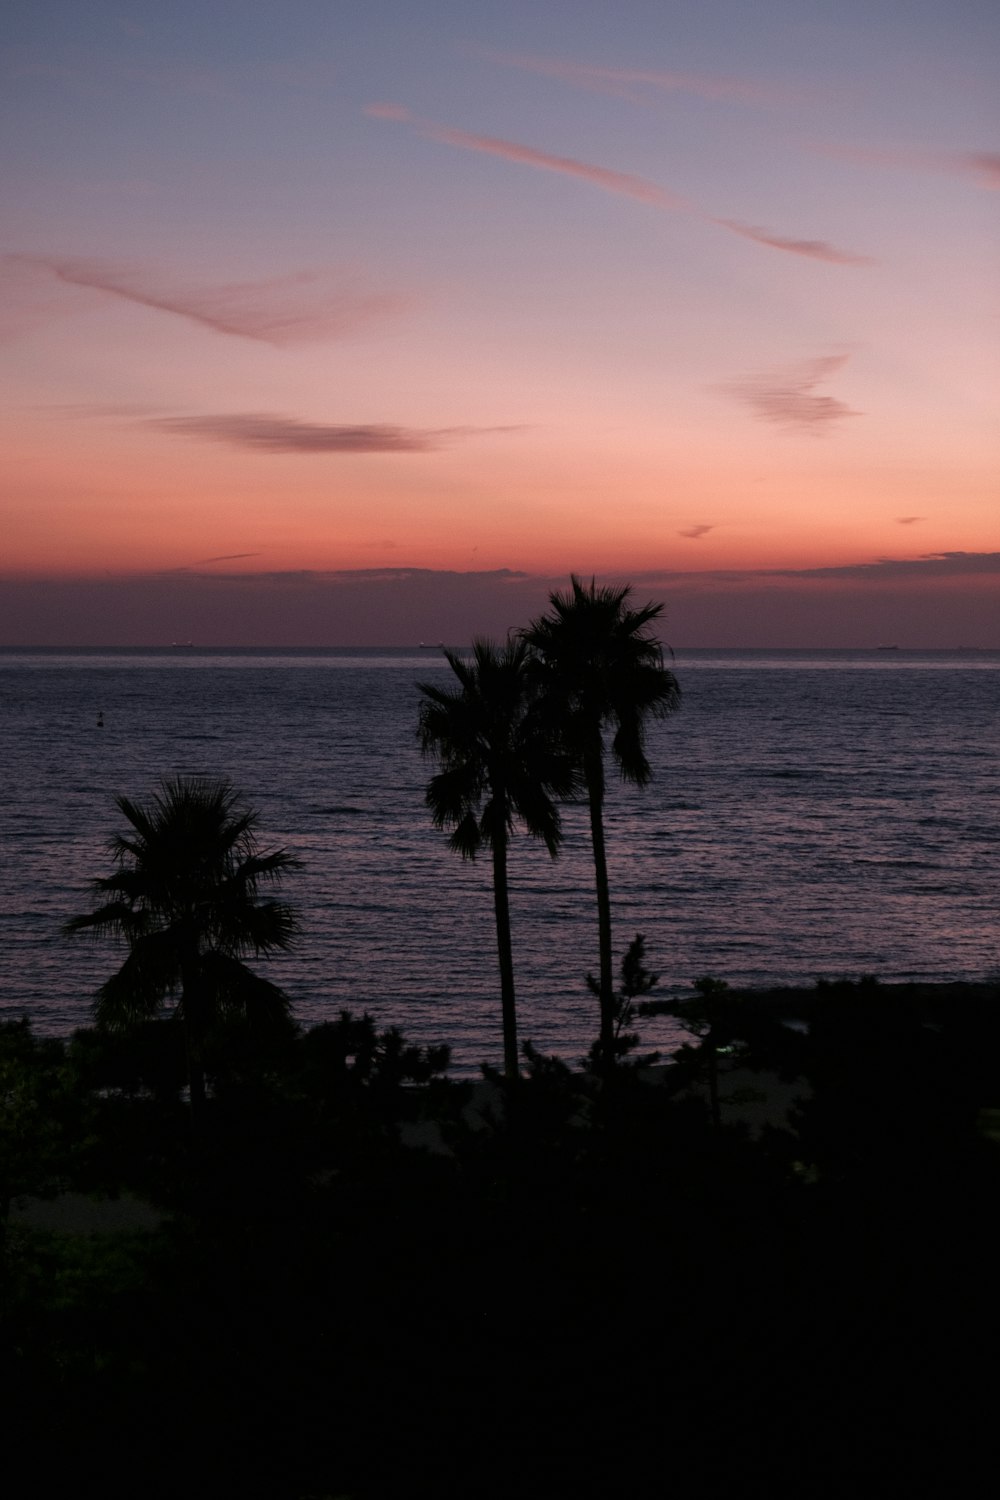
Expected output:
(185, 901)
(599, 667)
(497, 766)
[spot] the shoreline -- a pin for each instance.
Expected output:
(803, 998)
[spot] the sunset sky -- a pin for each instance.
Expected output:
(331, 323)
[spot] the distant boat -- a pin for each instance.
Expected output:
(182, 645)
(886, 648)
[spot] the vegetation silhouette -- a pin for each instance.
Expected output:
(635, 984)
(371, 1317)
(185, 900)
(709, 1015)
(500, 763)
(365, 1283)
(599, 668)
(36, 1106)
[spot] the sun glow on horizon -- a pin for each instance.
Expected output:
(614, 299)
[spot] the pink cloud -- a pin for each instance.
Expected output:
(307, 306)
(264, 432)
(811, 249)
(982, 167)
(695, 533)
(631, 82)
(622, 183)
(787, 397)
(388, 112)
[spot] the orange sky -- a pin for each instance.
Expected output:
(657, 300)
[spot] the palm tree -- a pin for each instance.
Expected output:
(599, 668)
(497, 765)
(184, 899)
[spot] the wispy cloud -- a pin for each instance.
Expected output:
(386, 110)
(264, 432)
(936, 565)
(695, 533)
(621, 184)
(307, 306)
(909, 520)
(929, 565)
(811, 249)
(787, 397)
(365, 576)
(981, 167)
(625, 184)
(639, 83)
(226, 557)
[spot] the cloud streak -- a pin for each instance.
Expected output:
(624, 184)
(811, 249)
(636, 83)
(307, 306)
(695, 533)
(620, 184)
(269, 433)
(936, 565)
(930, 565)
(981, 167)
(788, 397)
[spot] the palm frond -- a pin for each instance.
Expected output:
(599, 667)
(240, 993)
(185, 893)
(497, 755)
(149, 975)
(111, 920)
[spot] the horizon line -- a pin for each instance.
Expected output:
(183, 646)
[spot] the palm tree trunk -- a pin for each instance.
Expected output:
(713, 1082)
(594, 774)
(501, 905)
(190, 999)
(196, 1078)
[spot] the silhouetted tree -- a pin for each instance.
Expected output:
(34, 1098)
(708, 1015)
(635, 984)
(600, 668)
(498, 764)
(185, 901)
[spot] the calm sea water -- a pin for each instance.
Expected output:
(811, 814)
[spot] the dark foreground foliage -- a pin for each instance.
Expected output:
(328, 1310)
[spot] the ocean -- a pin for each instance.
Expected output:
(812, 814)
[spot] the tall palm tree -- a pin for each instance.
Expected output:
(599, 667)
(497, 765)
(184, 900)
